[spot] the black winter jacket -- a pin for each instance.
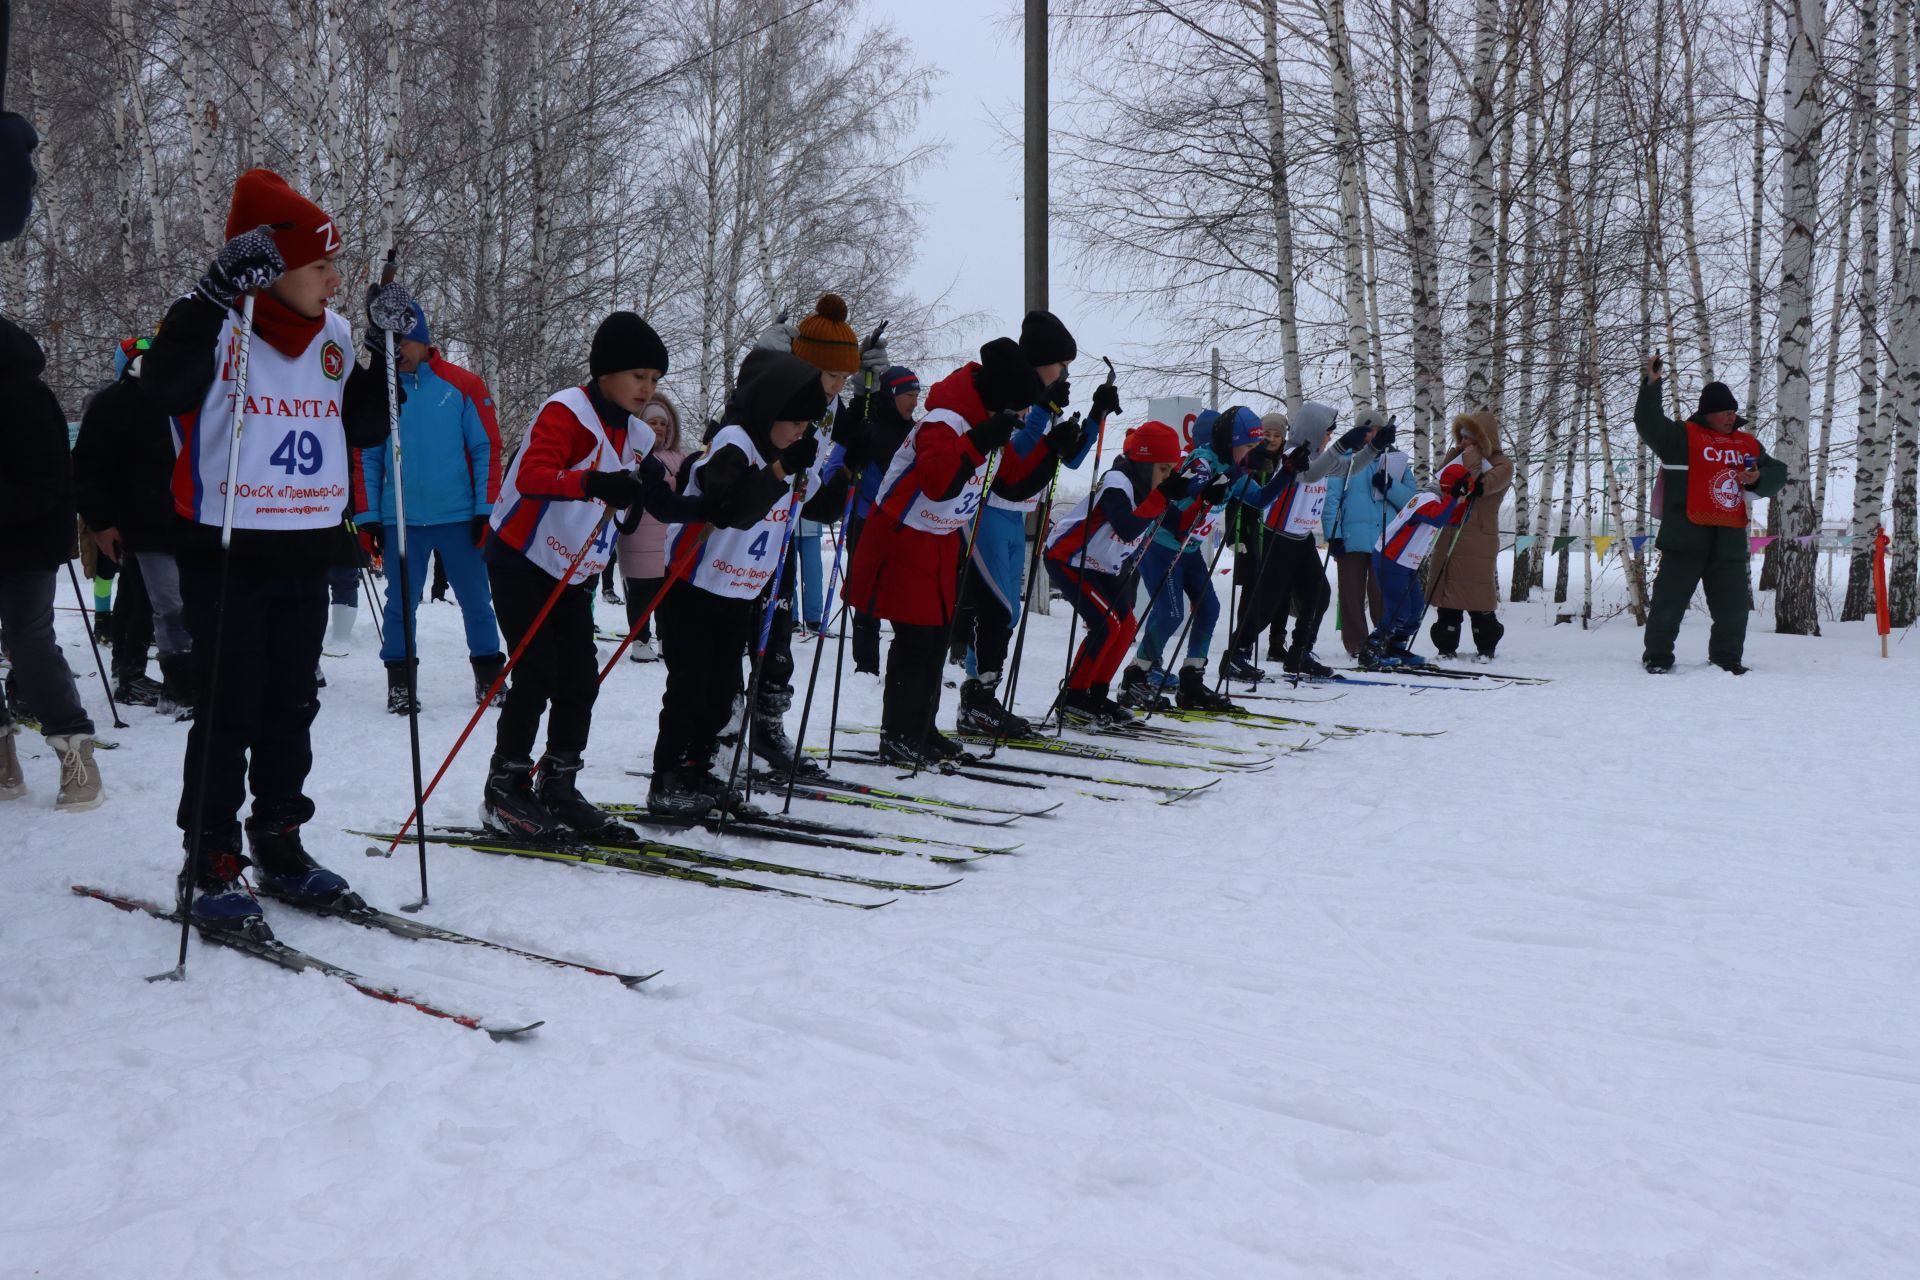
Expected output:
(123, 467)
(36, 473)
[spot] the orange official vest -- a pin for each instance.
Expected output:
(1714, 459)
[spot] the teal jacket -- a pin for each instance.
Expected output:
(1356, 513)
(1668, 440)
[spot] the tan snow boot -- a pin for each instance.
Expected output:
(80, 785)
(13, 783)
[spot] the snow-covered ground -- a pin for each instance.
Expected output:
(1615, 979)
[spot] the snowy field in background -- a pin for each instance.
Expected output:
(1616, 979)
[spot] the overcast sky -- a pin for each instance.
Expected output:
(971, 238)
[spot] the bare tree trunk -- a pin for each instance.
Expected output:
(1690, 239)
(259, 49)
(1429, 360)
(390, 167)
(1756, 282)
(485, 294)
(1873, 441)
(1479, 353)
(1867, 296)
(1280, 205)
(1837, 312)
(1346, 132)
(540, 181)
(1795, 611)
(201, 115)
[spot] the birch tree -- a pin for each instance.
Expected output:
(1794, 607)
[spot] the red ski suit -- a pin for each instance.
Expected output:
(910, 575)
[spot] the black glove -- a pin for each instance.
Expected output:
(1299, 460)
(1381, 484)
(1460, 488)
(994, 432)
(799, 455)
(1176, 486)
(1353, 438)
(1058, 395)
(477, 528)
(245, 264)
(1064, 437)
(653, 472)
(847, 424)
(1337, 546)
(618, 489)
(390, 307)
(1383, 438)
(1216, 491)
(1106, 401)
(376, 538)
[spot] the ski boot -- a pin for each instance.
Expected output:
(942, 748)
(562, 800)
(485, 672)
(1112, 712)
(1081, 707)
(1399, 649)
(1301, 662)
(901, 753)
(400, 699)
(1237, 664)
(772, 745)
(720, 794)
(982, 714)
(176, 685)
(1197, 695)
(674, 795)
(220, 900)
(138, 691)
(1138, 689)
(286, 868)
(508, 803)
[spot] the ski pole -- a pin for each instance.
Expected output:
(366, 580)
(87, 619)
(1186, 628)
(203, 720)
(774, 599)
(848, 617)
(553, 598)
(408, 653)
(959, 590)
(819, 648)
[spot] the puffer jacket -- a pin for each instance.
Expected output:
(36, 471)
(1355, 512)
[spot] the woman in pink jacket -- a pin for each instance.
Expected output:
(643, 552)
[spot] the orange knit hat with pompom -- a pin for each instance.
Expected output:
(825, 340)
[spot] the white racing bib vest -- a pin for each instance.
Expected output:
(1296, 512)
(292, 469)
(738, 563)
(925, 513)
(563, 526)
(1104, 550)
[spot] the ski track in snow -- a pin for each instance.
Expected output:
(1614, 980)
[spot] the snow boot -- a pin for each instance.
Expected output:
(221, 901)
(1237, 664)
(286, 867)
(1138, 689)
(642, 651)
(1487, 630)
(1657, 666)
(983, 715)
(485, 672)
(673, 794)
(1197, 695)
(400, 701)
(1301, 662)
(342, 633)
(319, 676)
(1445, 634)
(13, 781)
(1732, 666)
(176, 685)
(562, 800)
(137, 692)
(80, 785)
(508, 803)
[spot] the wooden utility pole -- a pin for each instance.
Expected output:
(1036, 155)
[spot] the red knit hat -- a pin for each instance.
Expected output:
(1153, 442)
(302, 229)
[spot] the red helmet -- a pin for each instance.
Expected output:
(1153, 442)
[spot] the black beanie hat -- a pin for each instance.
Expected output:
(625, 341)
(1717, 397)
(805, 404)
(1044, 340)
(1005, 378)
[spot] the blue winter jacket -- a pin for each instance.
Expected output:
(1355, 511)
(450, 449)
(1245, 488)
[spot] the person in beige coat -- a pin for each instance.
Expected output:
(1461, 571)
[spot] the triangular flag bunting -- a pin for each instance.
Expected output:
(1524, 541)
(1759, 543)
(1562, 542)
(1640, 542)
(1600, 544)
(1805, 539)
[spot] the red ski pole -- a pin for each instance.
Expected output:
(566, 580)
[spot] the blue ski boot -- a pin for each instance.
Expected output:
(220, 900)
(286, 869)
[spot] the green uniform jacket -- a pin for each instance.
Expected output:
(1668, 440)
